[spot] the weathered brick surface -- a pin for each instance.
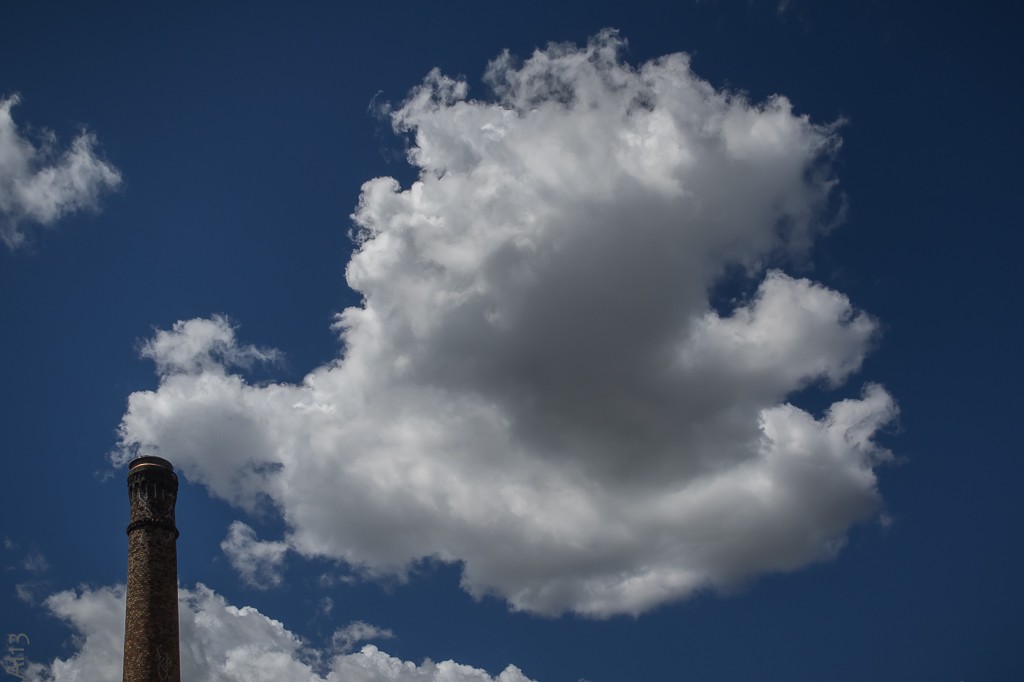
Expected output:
(151, 613)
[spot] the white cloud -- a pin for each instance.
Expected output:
(39, 185)
(198, 346)
(35, 562)
(536, 384)
(258, 562)
(345, 639)
(26, 592)
(225, 643)
(31, 560)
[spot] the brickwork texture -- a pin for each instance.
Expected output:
(151, 610)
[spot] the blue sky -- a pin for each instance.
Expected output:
(551, 342)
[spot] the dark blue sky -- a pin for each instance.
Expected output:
(243, 134)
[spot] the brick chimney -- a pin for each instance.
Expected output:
(151, 612)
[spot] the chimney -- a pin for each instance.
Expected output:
(151, 612)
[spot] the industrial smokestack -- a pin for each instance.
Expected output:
(151, 613)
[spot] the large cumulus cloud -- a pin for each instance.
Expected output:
(537, 383)
(38, 185)
(224, 643)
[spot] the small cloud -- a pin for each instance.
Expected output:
(38, 185)
(35, 562)
(331, 579)
(357, 632)
(26, 592)
(196, 346)
(258, 562)
(104, 475)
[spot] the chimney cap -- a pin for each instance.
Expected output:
(149, 460)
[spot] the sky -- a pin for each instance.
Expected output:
(531, 342)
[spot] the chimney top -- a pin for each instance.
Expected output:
(149, 461)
